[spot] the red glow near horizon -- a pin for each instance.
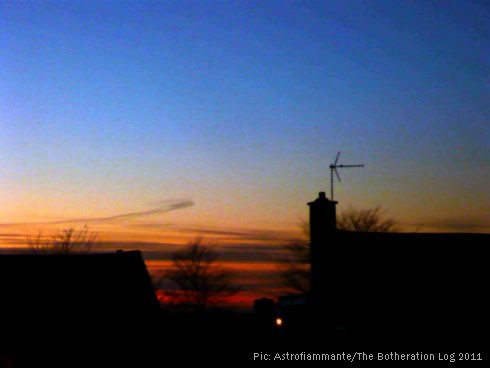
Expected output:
(242, 300)
(255, 279)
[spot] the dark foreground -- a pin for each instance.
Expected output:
(426, 303)
(233, 338)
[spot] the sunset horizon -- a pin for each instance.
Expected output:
(156, 123)
(255, 255)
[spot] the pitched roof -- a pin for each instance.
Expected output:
(73, 294)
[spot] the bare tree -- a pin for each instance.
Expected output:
(196, 279)
(295, 268)
(367, 220)
(66, 241)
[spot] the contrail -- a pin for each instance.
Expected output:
(162, 206)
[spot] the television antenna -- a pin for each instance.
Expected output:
(333, 168)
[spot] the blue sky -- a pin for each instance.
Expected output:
(240, 106)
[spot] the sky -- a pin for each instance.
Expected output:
(154, 122)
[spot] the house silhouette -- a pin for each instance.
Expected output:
(75, 305)
(427, 285)
(397, 290)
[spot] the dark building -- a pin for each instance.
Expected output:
(75, 305)
(420, 287)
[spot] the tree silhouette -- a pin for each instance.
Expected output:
(295, 266)
(367, 220)
(199, 281)
(64, 242)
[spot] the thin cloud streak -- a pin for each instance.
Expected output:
(223, 235)
(163, 206)
(455, 225)
(234, 253)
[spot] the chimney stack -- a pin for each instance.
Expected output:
(323, 225)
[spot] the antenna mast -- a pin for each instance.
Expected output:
(333, 167)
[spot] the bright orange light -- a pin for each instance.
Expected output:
(278, 322)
